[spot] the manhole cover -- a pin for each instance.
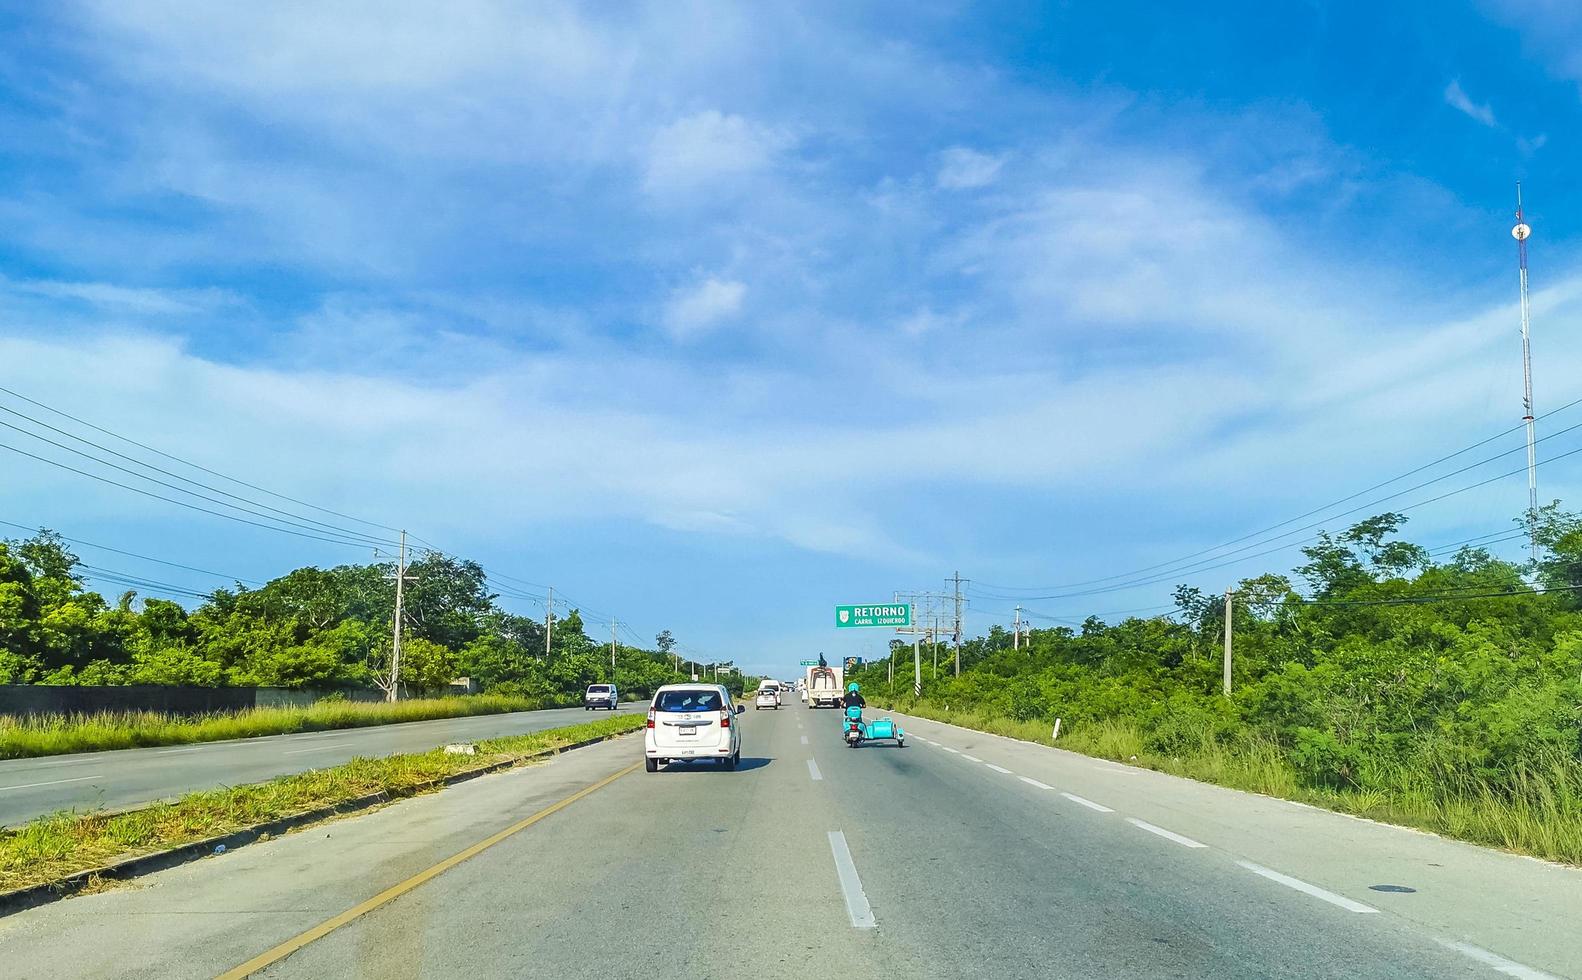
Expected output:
(1391, 888)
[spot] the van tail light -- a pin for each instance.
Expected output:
(725, 719)
(650, 718)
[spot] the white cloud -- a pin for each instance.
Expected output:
(137, 301)
(1457, 99)
(962, 168)
(695, 310)
(700, 151)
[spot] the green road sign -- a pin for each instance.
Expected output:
(889, 615)
(810, 663)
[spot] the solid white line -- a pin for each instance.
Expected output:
(1500, 964)
(1166, 834)
(998, 768)
(1307, 889)
(52, 782)
(1034, 782)
(804, 739)
(850, 885)
(812, 770)
(951, 750)
(970, 758)
(200, 748)
(320, 748)
(1087, 803)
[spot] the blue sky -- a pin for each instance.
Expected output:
(714, 315)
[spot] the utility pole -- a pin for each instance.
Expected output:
(612, 649)
(1228, 618)
(395, 638)
(1016, 638)
(957, 580)
(1521, 233)
(549, 621)
(917, 656)
(933, 642)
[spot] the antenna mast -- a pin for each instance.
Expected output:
(1521, 232)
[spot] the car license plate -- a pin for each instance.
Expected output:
(687, 729)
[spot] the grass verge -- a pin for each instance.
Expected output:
(31, 736)
(50, 848)
(1539, 813)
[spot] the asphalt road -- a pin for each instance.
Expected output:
(93, 780)
(961, 855)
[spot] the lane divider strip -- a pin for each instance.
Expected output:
(1084, 801)
(1500, 964)
(1307, 889)
(857, 907)
(1166, 834)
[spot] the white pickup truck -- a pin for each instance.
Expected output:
(824, 687)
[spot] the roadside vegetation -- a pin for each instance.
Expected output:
(50, 848)
(36, 735)
(312, 628)
(1445, 695)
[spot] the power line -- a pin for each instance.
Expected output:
(1442, 597)
(183, 503)
(123, 578)
(1318, 510)
(176, 476)
(133, 554)
(1201, 567)
(187, 462)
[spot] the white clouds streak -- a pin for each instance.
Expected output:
(961, 168)
(698, 309)
(1457, 99)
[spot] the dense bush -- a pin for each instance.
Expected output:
(1392, 674)
(310, 628)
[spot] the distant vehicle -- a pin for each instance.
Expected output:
(824, 687)
(600, 696)
(692, 721)
(768, 697)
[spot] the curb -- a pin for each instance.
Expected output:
(32, 896)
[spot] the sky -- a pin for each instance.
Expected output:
(714, 315)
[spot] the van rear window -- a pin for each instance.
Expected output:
(599, 689)
(689, 701)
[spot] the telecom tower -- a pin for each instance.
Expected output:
(1521, 232)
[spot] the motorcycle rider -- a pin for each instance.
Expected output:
(853, 697)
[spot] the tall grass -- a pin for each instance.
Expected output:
(1534, 809)
(52, 847)
(36, 735)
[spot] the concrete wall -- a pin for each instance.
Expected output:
(40, 699)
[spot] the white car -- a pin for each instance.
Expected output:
(692, 721)
(768, 697)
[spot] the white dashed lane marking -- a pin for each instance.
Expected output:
(1307, 889)
(1083, 801)
(1166, 834)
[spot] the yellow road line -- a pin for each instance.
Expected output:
(328, 926)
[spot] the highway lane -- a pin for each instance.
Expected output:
(92, 780)
(954, 857)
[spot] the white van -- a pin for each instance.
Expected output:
(692, 721)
